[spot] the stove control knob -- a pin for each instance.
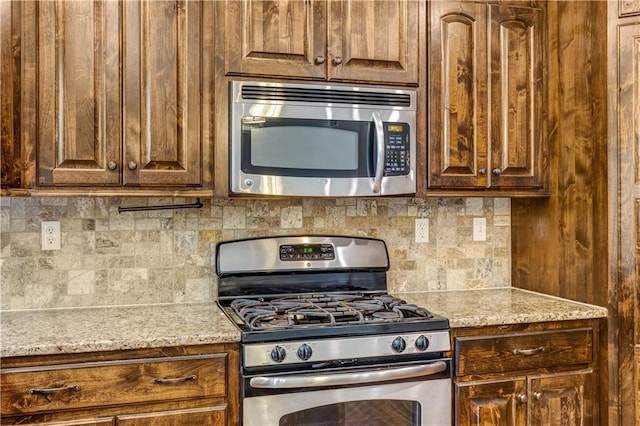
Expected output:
(422, 343)
(278, 353)
(304, 352)
(398, 344)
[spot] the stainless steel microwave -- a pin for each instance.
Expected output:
(321, 140)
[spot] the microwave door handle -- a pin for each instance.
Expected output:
(302, 381)
(380, 152)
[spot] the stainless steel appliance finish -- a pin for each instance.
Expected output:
(322, 340)
(321, 140)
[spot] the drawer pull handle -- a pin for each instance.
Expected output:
(54, 390)
(173, 381)
(528, 352)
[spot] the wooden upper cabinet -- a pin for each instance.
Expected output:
(336, 40)
(629, 7)
(120, 88)
(516, 54)
(284, 38)
(79, 93)
(162, 86)
(486, 96)
(10, 143)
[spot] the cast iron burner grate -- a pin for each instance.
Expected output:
(307, 310)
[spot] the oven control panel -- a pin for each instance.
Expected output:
(325, 350)
(307, 252)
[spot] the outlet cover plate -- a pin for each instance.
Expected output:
(422, 230)
(50, 235)
(479, 229)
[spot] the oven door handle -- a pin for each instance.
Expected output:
(283, 382)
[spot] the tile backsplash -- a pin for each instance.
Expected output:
(168, 256)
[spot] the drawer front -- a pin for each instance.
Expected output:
(522, 351)
(83, 385)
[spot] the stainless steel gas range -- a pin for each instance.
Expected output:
(323, 343)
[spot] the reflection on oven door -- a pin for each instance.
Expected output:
(422, 403)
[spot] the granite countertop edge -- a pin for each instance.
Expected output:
(82, 330)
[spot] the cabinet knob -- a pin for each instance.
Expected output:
(522, 398)
(337, 60)
(483, 171)
(537, 396)
(112, 165)
(132, 165)
(496, 171)
(319, 60)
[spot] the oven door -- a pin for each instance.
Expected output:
(399, 395)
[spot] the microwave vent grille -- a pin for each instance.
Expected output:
(319, 95)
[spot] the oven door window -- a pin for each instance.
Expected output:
(307, 148)
(369, 413)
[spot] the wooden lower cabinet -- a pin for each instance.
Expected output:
(171, 386)
(532, 374)
(558, 399)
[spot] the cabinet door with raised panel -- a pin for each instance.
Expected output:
(79, 115)
(457, 95)
(163, 84)
(516, 96)
(565, 399)
(281, 38)
(210, 416)
(491, 403)
(374, 41)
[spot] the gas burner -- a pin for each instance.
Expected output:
(312, 310)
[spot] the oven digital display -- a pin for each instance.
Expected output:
(307, 252)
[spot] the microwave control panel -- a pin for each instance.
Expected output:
(397, 143)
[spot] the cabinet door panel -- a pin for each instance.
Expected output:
(11, 163)
(163, 135)
(457, 86)
(213, 416)
(563, 399)
(373, 41)
(491, 403)
(276, 38)
(78, 93)
(516, 95)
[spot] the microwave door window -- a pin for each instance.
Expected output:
(306, 148)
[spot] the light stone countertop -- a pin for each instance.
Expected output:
(472, 308)
(56, 331)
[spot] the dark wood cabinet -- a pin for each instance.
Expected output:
(626, 239)
(486, 96)
(528, 374)
(124, 94)
(195, 386)
(335, 40)
(10, 38)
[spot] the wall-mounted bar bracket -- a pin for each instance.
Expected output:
(197, 205)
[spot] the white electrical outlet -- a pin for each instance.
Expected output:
(50, 235)
(422, 230)
(479, 229)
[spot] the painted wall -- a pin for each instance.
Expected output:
(168, 256)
